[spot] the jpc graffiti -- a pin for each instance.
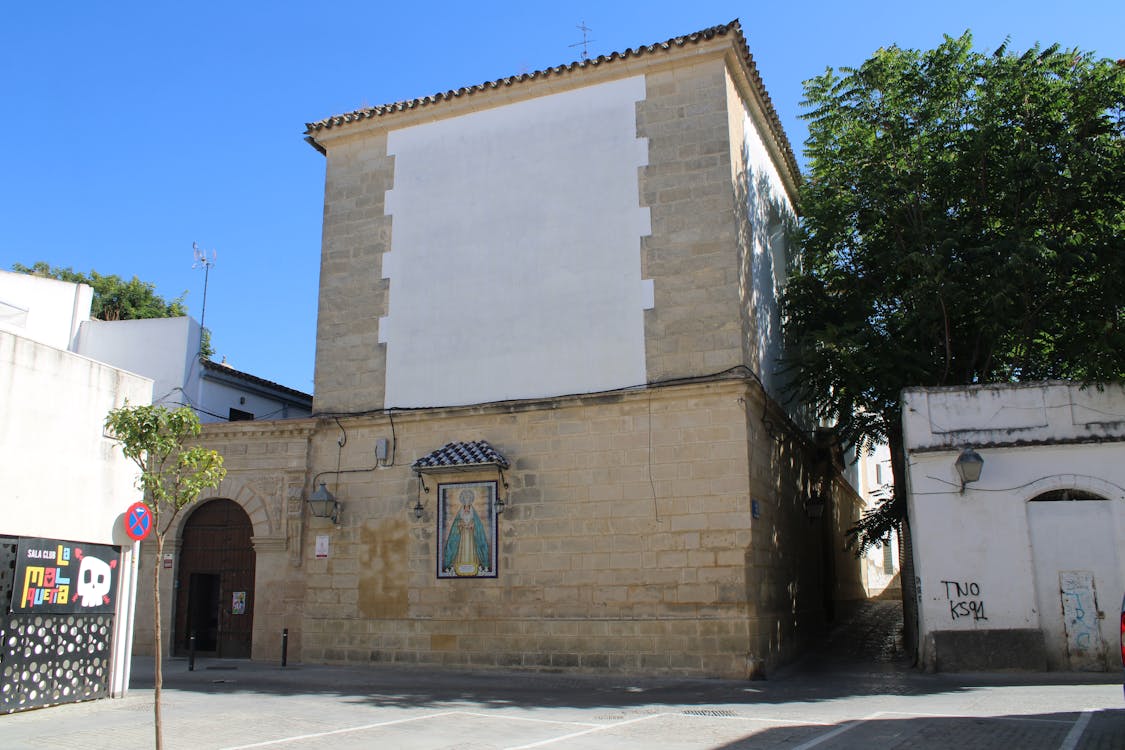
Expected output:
(964, 600)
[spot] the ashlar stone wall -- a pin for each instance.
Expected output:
(266, 466)
(695, 327)
(350, 362)
(628, 542)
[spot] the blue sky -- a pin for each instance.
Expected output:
(136, 129)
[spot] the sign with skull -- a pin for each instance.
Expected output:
(58, 576)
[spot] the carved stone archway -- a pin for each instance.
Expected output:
(214, 606)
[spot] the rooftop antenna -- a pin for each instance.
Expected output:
(585, 41)
(203, 261)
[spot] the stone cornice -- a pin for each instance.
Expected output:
(653, 391)
(287, 428)
(269, 543)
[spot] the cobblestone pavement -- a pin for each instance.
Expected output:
(855, 692)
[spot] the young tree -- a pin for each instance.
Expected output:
(172, 475)
(963, 216)
(114, 298)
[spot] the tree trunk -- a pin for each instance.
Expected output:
(158, 650)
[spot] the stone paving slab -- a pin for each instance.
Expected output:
(253, 705)
(853, 693)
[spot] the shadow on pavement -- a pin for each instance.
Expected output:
(405, 687)
(861, 656)
(1100, 729)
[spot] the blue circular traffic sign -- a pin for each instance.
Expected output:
(138, 521)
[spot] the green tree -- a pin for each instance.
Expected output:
(963, 216)
(172, 475)
(114, 298)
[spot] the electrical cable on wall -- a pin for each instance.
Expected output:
(1018, 486)
(652, 483)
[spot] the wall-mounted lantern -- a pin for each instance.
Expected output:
(323, 504)
(968, 465)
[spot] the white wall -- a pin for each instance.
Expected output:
(62, 478)
(872, 472)
(163, 349)
(870, 475)
(980, 563)
(220, 397)
(515, 256)
(771, 214)
(43, 310)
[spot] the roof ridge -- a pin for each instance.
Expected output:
(250, 377)
(380, 110)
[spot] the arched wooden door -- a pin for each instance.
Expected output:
(215, 582)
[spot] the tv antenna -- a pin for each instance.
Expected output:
(203, 259)
(585, 41)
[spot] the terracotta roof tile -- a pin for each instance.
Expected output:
(461, 454)
(734, 27)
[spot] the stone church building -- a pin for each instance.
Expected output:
(549, 429)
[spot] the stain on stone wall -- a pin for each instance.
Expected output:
(383, 569)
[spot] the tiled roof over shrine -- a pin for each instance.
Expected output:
(453, 455)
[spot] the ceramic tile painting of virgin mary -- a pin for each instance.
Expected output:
(467, 525)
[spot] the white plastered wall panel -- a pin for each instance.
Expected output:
(772, 214)
(515, 261)
(163, 349)
(44, 310)
(63, 478)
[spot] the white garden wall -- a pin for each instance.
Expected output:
(62, 477)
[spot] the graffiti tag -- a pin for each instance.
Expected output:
(964, 600)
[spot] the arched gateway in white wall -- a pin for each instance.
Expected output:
(1076, 576)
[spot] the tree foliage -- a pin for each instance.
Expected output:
(114, 298)
(963, 216)
(172, 474)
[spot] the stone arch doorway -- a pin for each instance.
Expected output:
(215, 582)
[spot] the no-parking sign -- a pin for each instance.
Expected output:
(138, 521)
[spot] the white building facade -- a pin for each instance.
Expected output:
(870, 474)
(1024, 567)
(67, 566)
(165, 350)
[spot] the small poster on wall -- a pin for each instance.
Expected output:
(466, 530)
(321, 546)
(57, 576)
(238, 603)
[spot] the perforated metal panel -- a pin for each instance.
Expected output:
(8, 546)
(46, 658)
